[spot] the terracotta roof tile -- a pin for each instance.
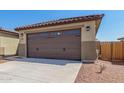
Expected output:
(9, 32)
(61, 21)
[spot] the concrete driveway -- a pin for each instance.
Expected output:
(38, 70)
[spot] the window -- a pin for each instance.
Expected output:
(38, 36)
(72, 32)
(55, 34)
(44, 35)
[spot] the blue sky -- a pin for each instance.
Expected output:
(111, 28)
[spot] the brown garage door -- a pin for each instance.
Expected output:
(59, 44)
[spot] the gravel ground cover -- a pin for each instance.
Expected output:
(103, 72)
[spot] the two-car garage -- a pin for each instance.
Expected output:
(68, 38)
(55, 44)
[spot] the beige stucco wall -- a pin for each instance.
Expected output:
(88, 49)
(88, 45)
(22, 48)
(9, 43)
(88, 35)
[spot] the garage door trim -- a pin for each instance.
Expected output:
(52, 31)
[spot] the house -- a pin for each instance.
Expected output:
(8, 42)
(121, 39)
(69, 38)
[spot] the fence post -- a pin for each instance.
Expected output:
(123, 50)
(111, 44)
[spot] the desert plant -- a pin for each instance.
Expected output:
(101, 67)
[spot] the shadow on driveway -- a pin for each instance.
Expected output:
(41, 60)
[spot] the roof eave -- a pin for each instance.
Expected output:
(59, 23)
(99, 23)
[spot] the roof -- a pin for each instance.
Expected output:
(122, 38)
(8, 32)
(61, 21)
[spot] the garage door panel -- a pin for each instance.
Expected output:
(72, 45)
(69, 44)
(47, 55)
(55, 41)
(63, 47)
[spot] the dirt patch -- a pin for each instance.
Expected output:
(3, 61)
(91, 73)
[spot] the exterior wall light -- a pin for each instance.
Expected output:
(88, 28)
(21, 36)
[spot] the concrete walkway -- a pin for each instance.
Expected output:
(38, 70)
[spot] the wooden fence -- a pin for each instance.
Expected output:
(111, 50)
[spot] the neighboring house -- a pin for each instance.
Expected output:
(121, 39)
(8, 42)
(69, 38)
